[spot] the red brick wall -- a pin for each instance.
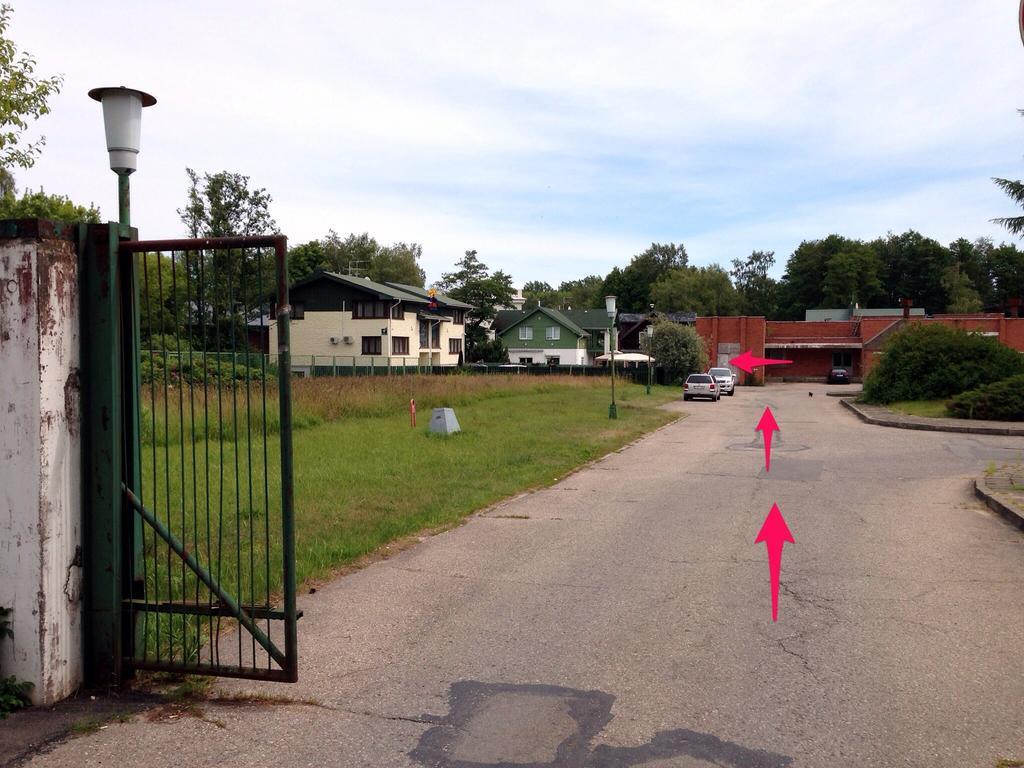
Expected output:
(777, 330)
(1012, 334)
(746, 331)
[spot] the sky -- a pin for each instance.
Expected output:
(557, 139)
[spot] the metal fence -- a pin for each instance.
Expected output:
(208, 462)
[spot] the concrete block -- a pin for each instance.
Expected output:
(40, 465)
(443, 421)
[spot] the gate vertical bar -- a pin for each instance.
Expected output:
(102, 452)
(133, 582)
(284, 312)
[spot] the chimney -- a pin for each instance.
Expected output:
(907, 304)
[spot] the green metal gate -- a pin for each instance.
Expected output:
(200, 500)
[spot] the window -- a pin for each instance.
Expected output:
(526, 361)
(552, 333)
(298, 311)
(775, 354)
(554, 361)
(459, 317)
(454, 346)
(424, 334)
(397, 312)
(399, 345)
(435, 336)
(371, 345)
(525, 333)
(369, 310)
(842, 359)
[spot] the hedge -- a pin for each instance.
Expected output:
(1001, 401)
(932, 362)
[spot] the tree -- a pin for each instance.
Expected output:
(633, 284)
(758, 291)
(39, 205)
(539, 293)
(235, 283)
(1015, 191)
(961, 296)
(704, 290)
(1005, 266)
(913, 266)
(584, 293)
(678, 350)
(398, 263)
(23, 98)
(359, 255)
(969, 258)
(472, 283)
(305, 259)
(852, 277)
(223, 205)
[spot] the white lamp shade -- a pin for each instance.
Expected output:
(609, 305)
(122, 120)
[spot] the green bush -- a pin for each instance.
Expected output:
(932, 361)
(678, 349)
(13, 694)
(195, 368)
(1001, 400)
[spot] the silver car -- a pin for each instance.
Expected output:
(725, 379)
(701, 385)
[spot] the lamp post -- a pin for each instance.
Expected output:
(609, 305)
(122, 121)
(650, 338)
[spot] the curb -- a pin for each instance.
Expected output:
(927, 427)
(843, 394)
(996, 505)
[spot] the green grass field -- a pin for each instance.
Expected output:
(363, 476)
(932, 408)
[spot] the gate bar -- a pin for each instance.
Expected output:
(233, 608)
(198, 244)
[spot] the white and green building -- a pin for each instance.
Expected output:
(545, 336)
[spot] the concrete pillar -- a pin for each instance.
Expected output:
(40, 458)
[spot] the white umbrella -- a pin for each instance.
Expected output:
(626, 357)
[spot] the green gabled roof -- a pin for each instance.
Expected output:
(590, 319)
(442, 298)
(579, 320)
(381, 290)
(510, 318)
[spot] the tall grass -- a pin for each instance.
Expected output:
(168, 412)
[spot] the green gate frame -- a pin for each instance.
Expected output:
(111, 434)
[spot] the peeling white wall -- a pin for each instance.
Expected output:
(40, 466)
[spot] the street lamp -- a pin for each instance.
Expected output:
(122, 121)
(609, 305)
(650, 338)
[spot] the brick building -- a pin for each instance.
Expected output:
(815, 346)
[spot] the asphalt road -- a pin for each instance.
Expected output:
(622, 618)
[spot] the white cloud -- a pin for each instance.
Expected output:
(556, 138)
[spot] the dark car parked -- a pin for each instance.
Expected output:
(839, 376)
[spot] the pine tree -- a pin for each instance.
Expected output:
(1015, 191)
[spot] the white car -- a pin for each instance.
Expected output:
(701, 385)
(725, 379)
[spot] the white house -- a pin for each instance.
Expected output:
(348, 321)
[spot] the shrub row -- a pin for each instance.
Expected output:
(931, 362)
(1000, 401)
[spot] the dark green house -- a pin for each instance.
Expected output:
(545, 336)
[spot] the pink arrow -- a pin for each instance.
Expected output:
(767, 425)
(774, 533)
(748, 362)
